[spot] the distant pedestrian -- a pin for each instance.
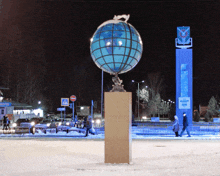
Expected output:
(5, 122)
(89, 126)
(85, 122)
(176, 126)
(185, 125)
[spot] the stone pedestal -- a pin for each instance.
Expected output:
(118, 115)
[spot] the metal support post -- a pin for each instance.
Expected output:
(138, 102)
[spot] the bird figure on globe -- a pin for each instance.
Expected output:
(116, 47)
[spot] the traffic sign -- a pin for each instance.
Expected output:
(5, 104)
(73, 98)
(60, 109)
(64, 101)
(71, 105)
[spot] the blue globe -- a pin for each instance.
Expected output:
(116, 48)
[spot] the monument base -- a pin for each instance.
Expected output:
(118, 113)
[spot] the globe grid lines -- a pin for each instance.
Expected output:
(103, 47)
(128, 64)
(112, 46)
(106, 46)
(128, 56)
(101, 50)
(125, 47)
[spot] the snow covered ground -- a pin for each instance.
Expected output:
(154, 152)
(79, 157)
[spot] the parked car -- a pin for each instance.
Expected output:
(24, 126)
(67, 124)
(49, 124)
(19, 121)
(43, 125)
(68, 121)
(59, 124)
(79, 123)
(51, 115)
(36, 120)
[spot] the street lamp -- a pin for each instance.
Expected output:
(102, 95)
(1, 96)
(39, 103)
(138, 94)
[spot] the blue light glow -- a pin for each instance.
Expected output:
(116, 47)
(184, 83)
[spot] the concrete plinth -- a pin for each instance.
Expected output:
(118, 113)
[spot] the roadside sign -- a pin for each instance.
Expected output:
(71, 105)
(60, 109)
(64, 101)
(5, 104)
(73, 98)
(184, 102)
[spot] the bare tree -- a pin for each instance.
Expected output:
(150, 96)
(154, 82)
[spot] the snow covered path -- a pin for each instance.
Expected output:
(68, 156)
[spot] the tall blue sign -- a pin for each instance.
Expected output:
(184, 81)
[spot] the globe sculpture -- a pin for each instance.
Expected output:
(116, 47)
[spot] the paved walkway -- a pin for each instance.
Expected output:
(71, 157)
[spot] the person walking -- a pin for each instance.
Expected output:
(5, 122)
(176, 126)
(88, 125)
(185, 125)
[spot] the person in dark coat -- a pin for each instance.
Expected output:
(88, 125)
(85, 121)
(176, 125)
(185, 125)
(5, 122)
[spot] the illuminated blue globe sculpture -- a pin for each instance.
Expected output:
(116, 47)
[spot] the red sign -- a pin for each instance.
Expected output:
(73, 98)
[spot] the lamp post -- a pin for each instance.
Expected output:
(102, 96)
(39, 104)
(138, 94)
(1, 96)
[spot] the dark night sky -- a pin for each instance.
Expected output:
(67, 27)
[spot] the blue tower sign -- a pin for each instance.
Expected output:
(184, 82)
(183, 39)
